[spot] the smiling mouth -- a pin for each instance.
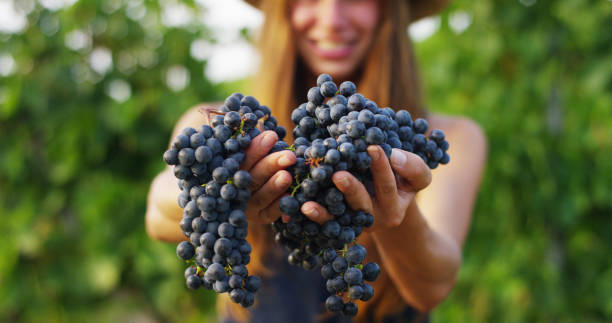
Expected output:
(332, 49)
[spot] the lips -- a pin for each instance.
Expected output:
(328, 49)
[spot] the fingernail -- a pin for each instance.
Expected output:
(282, 181)
(398, 158)
(374, 153)
(342, 181)
(311, 211)
(284, 161)
(268, 140)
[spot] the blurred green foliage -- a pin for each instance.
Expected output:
(538, 78)
(81, 141)
(75, 164)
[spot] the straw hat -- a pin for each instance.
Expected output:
(418, 8)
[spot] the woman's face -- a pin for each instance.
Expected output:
(334, 36)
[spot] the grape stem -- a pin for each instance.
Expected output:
(298, 184)
(207, 111)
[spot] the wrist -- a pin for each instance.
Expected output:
(412, 225)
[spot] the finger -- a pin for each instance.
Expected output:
(316, 212)
(411, 168)
(272, 190)
(268, 166)
(385, 186)
(354, 192)
(259, 148)
(271, 212)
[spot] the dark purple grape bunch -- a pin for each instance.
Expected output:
(346, 278)
(214, 195)
(332, 132)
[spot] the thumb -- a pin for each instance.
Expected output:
(411, 168)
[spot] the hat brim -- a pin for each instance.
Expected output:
(418, 8)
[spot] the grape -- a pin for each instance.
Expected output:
(374, 136)
(238, 219)
(332, 136)
(232, 103)
(368, 292)
(350, 309)
(248, 300)
(355, 292)
(222, 133)
(323, 78)
(237, 294)
(347, 88)
(327, 271)
(337, 111)
(235, 282)
(181, 141)
(232, 146)
(356, 102)
(226, 230)
(314, 96)
(328, 89)
(420, 126)
(251, 102)
(171, 157)
(353, 276)
(232, 119)
(214, 193)
(370, 271)
(339, 264)
(332, 157)
(194, 282)
(185, 250)
(252, 283)
(206, 131)
(186, 157)
(190, 271)
(331, 229)
(334, 303)
(347, 235)
(335, 285)
(355, 254)
(332, 131)
(221, 286)
(228, 192)
(437, 135)
(289, 205)
(355, 129)
(445, 159)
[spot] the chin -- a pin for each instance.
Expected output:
(339, 72)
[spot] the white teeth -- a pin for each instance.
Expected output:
(329, 45)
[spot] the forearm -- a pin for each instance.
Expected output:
(163, 213)
(422, 263)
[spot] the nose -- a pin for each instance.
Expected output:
(331, 15)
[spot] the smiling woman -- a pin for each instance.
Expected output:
(336, 41)
(416, 239)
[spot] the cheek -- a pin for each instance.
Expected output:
(365, 16)
(302, 16)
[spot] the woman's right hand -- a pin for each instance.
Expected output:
(270, 182)
(270, 179)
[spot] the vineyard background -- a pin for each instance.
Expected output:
(81, 139)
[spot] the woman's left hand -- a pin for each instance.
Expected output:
(393, 195)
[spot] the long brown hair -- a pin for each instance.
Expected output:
(387, 76)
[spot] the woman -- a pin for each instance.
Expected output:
(422, 217)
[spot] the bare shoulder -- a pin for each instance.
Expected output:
(193, 117)
(460, 126)
(461, 132)
(457, 182)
